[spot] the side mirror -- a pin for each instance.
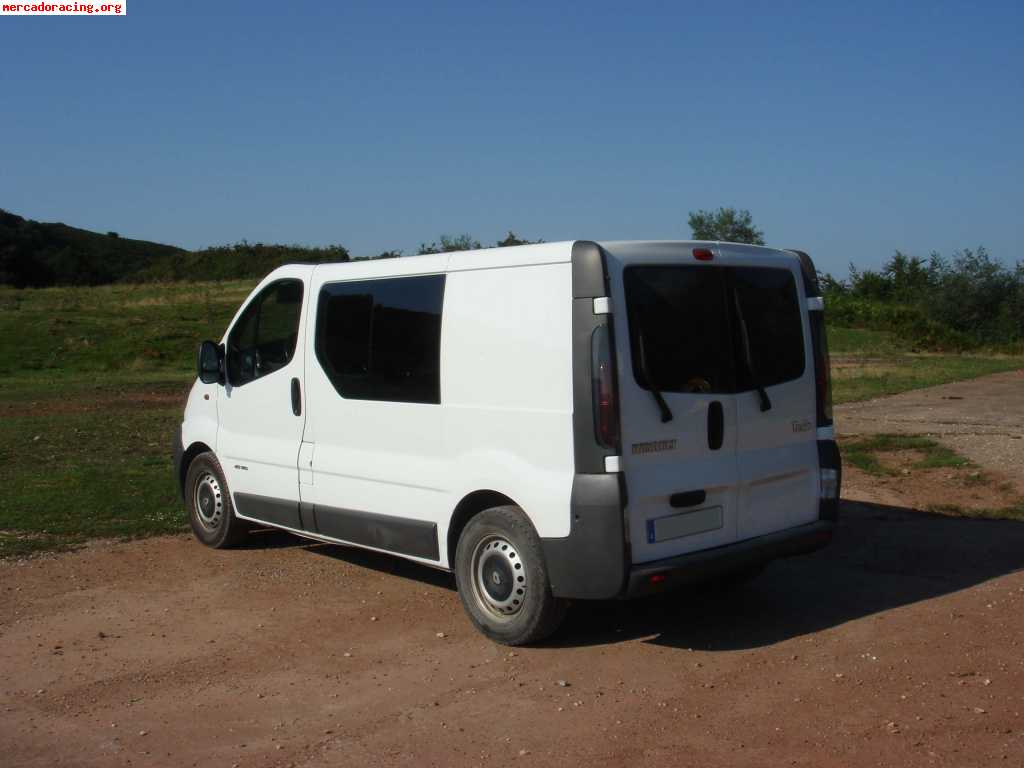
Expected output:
(211, 363)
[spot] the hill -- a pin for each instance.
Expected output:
(34, 253)
(37, 254)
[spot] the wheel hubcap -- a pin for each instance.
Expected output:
(209, 503)
(499, 577)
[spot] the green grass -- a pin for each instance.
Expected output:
(75, 476)
(120, 329)
(92, 386)
(861, 341)
(864, 379)
(863, 453)
(868, 364)
(93, 381)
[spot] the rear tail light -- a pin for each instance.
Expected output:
(822, 369)
(606, 403)
(703, 254)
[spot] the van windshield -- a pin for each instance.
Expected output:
(685, 336)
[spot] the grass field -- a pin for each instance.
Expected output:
(93, 382)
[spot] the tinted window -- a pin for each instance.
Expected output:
(687, 327)
(381, 339)
(769, 305)
(679, 329)
(263, 340)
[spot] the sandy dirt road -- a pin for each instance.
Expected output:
(902, 644)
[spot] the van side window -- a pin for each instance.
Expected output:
(770, 307)
(264, 338)
(381, 339)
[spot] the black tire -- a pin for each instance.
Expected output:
(500, 548)
(210, 512)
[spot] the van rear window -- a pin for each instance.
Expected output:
(686, 333)
(679, 329)
(768, 300)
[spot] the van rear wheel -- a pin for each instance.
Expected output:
(210, 512)
(503, 580)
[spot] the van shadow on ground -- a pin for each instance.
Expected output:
(882, 557)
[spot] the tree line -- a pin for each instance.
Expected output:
(957, 302)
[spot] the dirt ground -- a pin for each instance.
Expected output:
(983, 419)
(901, 644)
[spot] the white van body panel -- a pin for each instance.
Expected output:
(508, 405)
(200, 422)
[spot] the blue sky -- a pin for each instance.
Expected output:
(849, 130)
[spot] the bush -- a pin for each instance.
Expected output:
(968, 301)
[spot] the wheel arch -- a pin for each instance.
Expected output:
(469, 507)
(187, 457)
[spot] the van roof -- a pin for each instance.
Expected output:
(519, 255)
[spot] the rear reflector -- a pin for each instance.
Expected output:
(658, 578)
(829, 483)
(703, 254)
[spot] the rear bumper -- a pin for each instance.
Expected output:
(592, 562)
(706, 564)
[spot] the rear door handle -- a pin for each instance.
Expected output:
(296, 398)
(716, 425)
(687, 499)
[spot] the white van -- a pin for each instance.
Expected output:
(560, 421)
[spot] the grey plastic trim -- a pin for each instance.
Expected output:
(401, 535)
(267, 509)
(589, 281)
(591, 563)
(810, 273)
(709, 563)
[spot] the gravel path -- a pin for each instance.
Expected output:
(982, 418)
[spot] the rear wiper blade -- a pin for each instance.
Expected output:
(766, 403)
(666, 412)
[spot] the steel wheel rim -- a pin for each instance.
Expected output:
(208, 502)
(499, 577)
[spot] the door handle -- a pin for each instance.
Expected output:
(716, 425)
(687, 499)
(296, 398)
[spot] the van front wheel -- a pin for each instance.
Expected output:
(210, 512)
(502, 578)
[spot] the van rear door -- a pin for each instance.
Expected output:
(717, 394)
(776, 449)
(678, 408)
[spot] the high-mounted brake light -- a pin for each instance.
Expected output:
(703, 254)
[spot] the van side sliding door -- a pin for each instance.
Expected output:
(370, 466)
